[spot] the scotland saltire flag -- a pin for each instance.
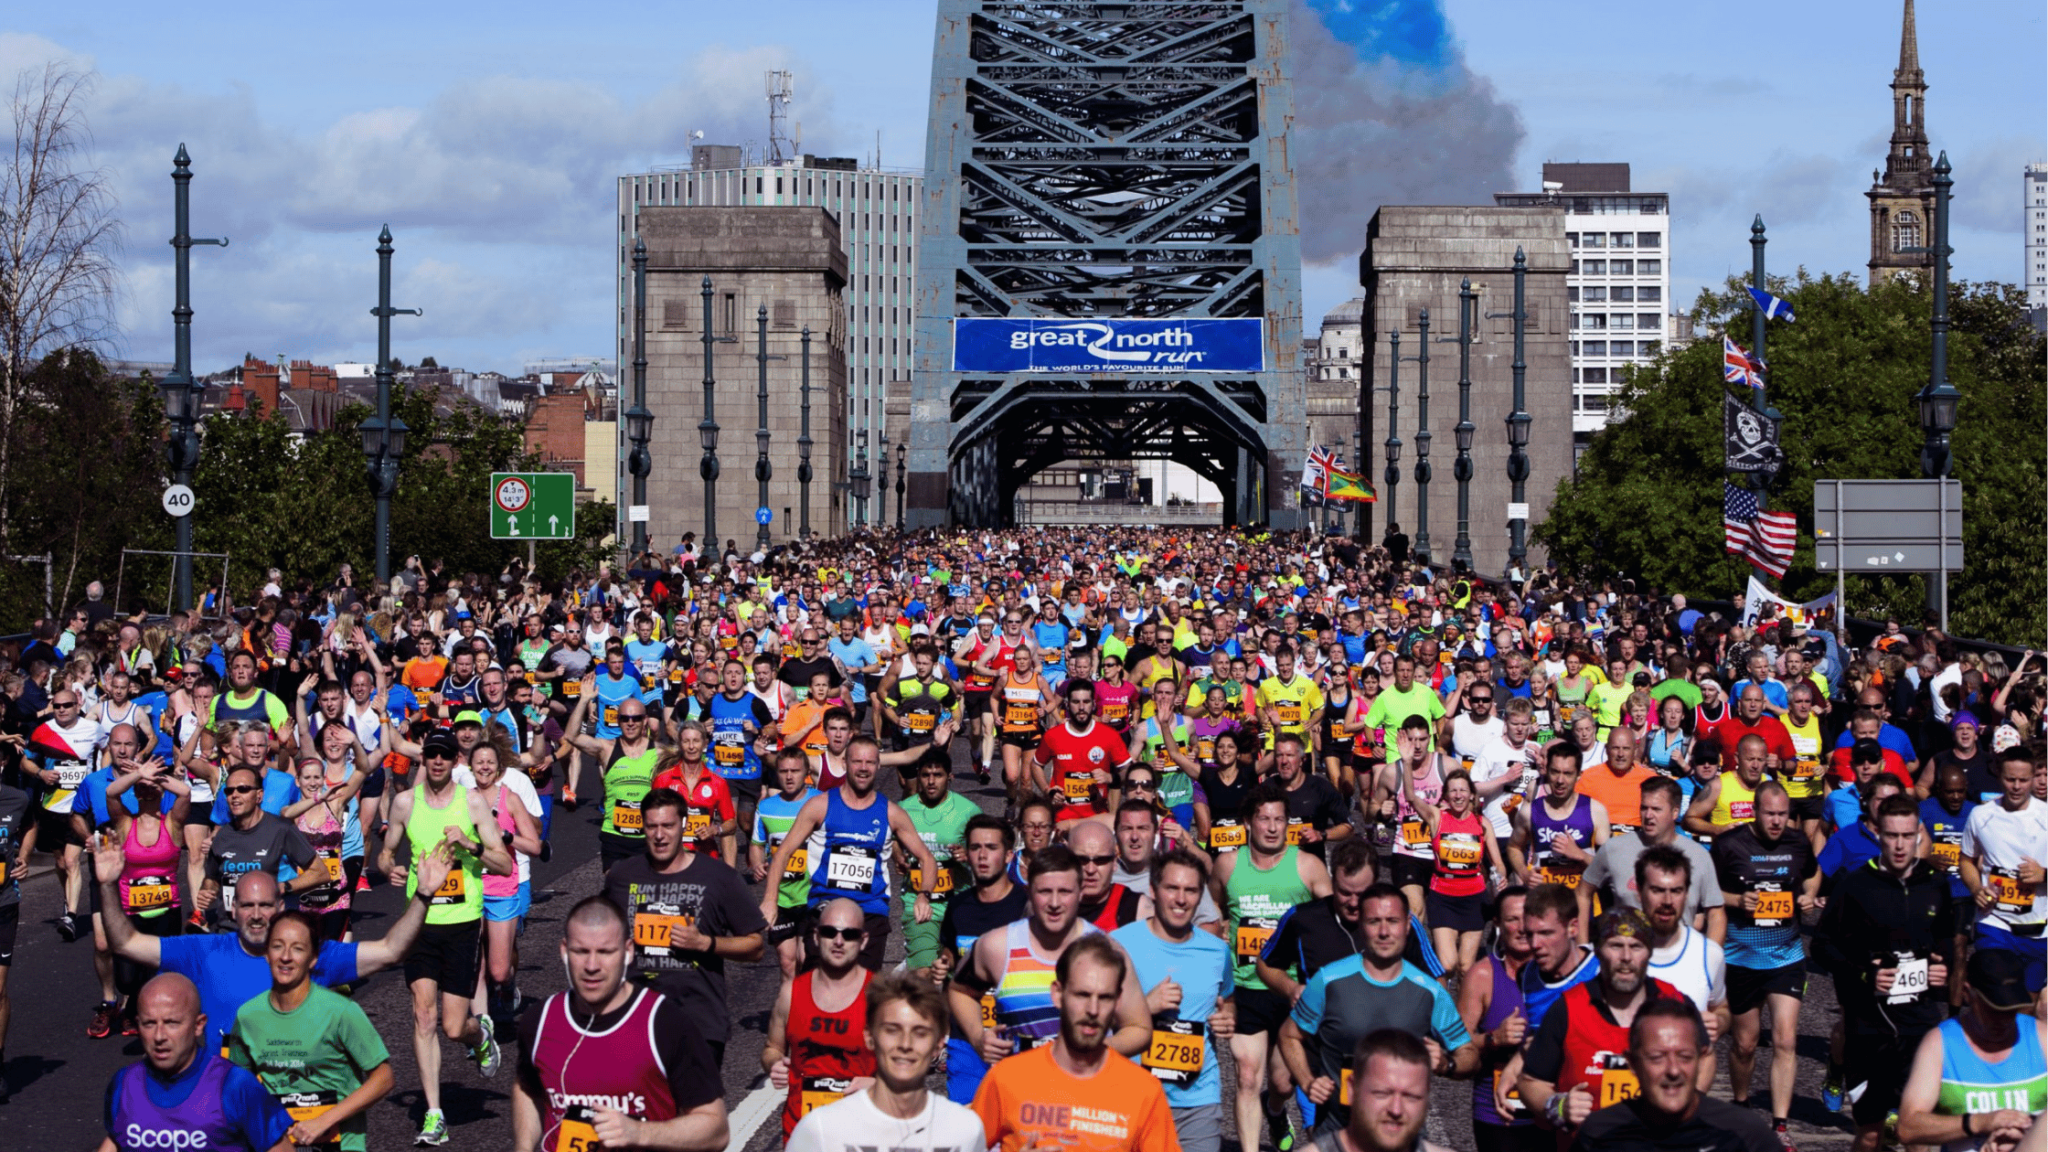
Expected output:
(1772, 306)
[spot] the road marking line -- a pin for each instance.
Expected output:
(754, 1111)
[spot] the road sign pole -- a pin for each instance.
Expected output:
(1841, 570)
(1941, 577)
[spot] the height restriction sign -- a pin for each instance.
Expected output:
(533, 505)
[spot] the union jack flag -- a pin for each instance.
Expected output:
(1739, 367)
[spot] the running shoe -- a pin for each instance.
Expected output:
(981, 773)
(363, 882)
(1784, 1137)
(1279, 1131)
(102, 1025)
(130, 1026)
(67, 929)
(433, 1131)
(486, 1054)
(1831, 1089)
(569, 798)
(196, 922)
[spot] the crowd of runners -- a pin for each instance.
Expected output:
(1274, 831)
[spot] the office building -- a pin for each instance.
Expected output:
(877, 214)
(2035, 191)
(1619, 287)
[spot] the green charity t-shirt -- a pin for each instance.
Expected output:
(310, 1058)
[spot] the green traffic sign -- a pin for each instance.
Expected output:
(533, 505)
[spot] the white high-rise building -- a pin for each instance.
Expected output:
(1619, 287)
(2036, 192)
(877, 210)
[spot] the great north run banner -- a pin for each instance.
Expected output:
(1044, 344)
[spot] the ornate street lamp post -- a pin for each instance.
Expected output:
(384, 434)
(639, 421)
(181, 393)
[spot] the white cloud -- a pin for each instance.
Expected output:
(501, 191)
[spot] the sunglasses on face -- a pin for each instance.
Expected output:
(1097, 861)
(827, 932)
(241, 789)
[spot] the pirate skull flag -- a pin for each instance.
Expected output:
(1752, 440)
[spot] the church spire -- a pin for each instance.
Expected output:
(1906, 165)
(1909, 48)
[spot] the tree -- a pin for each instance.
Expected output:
(57, 239)
(1646, 498)
(429, 362)
(88, 464)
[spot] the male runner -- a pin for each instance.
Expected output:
(1186, 976)
(855, 824)
(442, 817)
(690, 915)
(1256, 887)
(182, 1094)
(609, 1063)
(1106, 1103)
(1768, 878)
(815, 1050)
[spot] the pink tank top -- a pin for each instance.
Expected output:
(503, 886)
(323, 831)
(149, 880)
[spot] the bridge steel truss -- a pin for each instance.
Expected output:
(1093, 159)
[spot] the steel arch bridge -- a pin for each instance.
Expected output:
(1101, 160)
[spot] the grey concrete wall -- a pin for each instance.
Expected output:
(1415, 257)
(789, 260)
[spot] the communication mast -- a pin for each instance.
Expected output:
(780, 89)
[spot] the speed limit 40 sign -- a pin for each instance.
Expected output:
(178, 500)
(533, 505)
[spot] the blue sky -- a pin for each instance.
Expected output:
(489, 137)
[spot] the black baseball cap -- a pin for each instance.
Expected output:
(1866, 751)
(2000, 978)
(440, 740)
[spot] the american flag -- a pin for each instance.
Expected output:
(1738, 366)
(1765, 539)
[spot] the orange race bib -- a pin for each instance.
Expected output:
(333, 864)
(988, 1010)
(1075, 788)
(1414, 832)
(150, 893)
(1459, 851)
(817, 1091)
(452, 890)
(1294, 828)
(572, 688)
(1252, 935)
(310, 1105)
(626, 818)
(919, 722)
(1226, 836)
(943, 886)
(2014, 895)
(1774, 907)
(797, 868)
(697, 826)
(1177, 1052)
(1946, 853)
(1567, 873)
(1617, 1080)
(577, 1133)
(655, 931)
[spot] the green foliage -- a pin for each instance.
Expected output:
(1646, 499)
(87, 469)
(85, 473)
